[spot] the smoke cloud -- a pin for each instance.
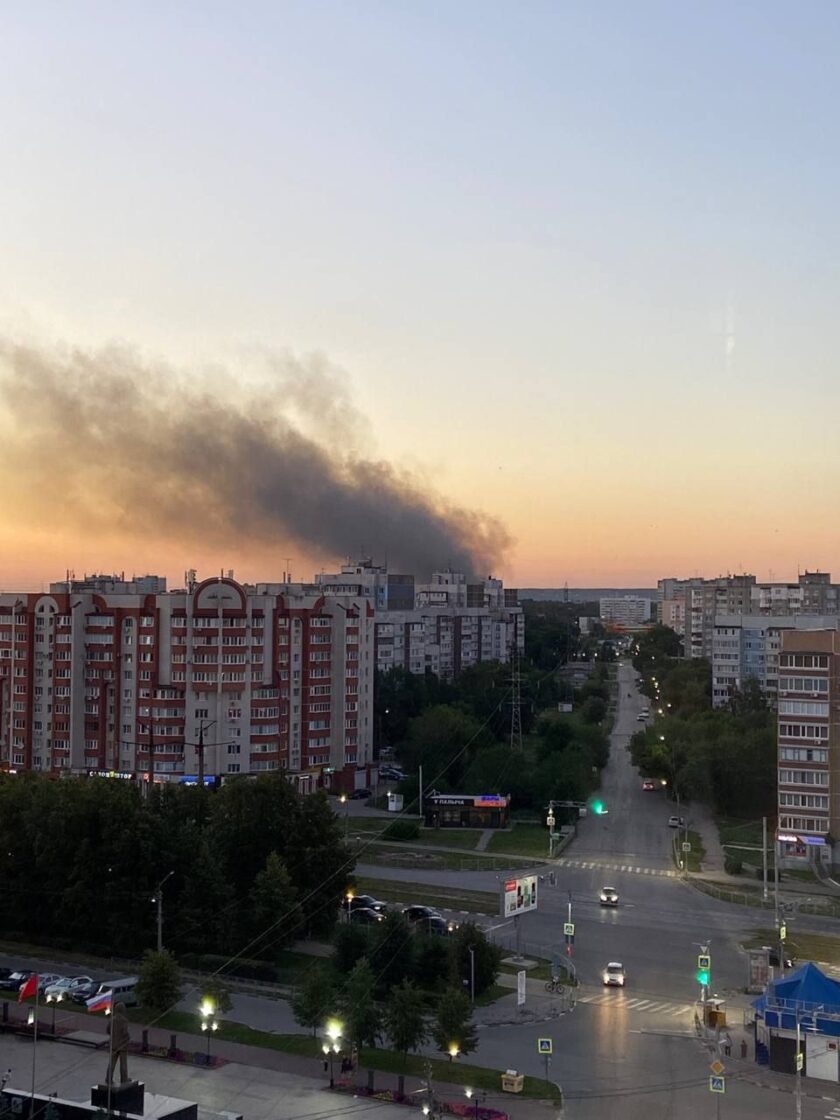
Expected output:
(106, 440)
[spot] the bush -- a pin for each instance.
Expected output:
(401, 830)
(732, 865)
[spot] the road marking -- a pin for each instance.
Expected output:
(624, 867)
(594, 865)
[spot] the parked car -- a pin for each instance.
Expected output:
(640, 718)
(46, 980)
(614, 975)
(436, 926)
(609, 896)
(418, 913)
(391, 774)
(367, 902)
(5, 973)
(648, 784)
(360, 795)
(363, 915)
(15, 981)
(676, 822)
(66, 986)
(84, 992)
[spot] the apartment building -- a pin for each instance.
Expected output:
(444, 625)
(747, 646)
(625, 610)
(272, 677)
(809, 746)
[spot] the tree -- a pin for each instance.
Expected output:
(391, 952)
(273, 904)
(484, 961)
(431, 963)
(217, 992)
(405, 1021)
(361, 1015)
(314, 999)
(351, 944)
(453, 1023)
(159, 984)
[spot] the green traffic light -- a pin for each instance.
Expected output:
(598, 807)
(703, 977)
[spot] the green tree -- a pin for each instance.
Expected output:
(431, 962)
(314, 999)
(273, 918)
(159, 982)
(358, 1006)
(391, 951)
(483, 962)
(453, 1024)
(351, 944)
(404, 1019)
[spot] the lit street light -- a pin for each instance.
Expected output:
(473, 1094)
(332, 1047)
(454, 1051)
(208, 1023)
(346, 804)
(54, 999)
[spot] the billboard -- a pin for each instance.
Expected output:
(758, 974)
(520, 896)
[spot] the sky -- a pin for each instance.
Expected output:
(564, 272)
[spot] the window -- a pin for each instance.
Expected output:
(233, 768)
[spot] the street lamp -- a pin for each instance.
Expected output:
(472, 1093)
(208, 1023)
(454, 1051)
(158, 898)
(54, 998)
(332, 1047)
(350, 896)
(346, 804)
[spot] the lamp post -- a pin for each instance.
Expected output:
(349, 897)
(346, 804)
(208, 1022)
(158, 898)
(472, 1094)
(454, 1051)
(332, 1047)
(54, 999)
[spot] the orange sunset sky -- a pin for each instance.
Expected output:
(564, 275)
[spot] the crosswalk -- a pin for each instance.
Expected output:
(675, 1010)
(834, 1114)
(598, 865)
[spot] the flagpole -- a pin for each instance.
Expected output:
(110, 1011)
(34, 1048)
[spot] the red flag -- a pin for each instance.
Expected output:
(30, 988)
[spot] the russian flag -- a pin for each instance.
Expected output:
(102, 1002)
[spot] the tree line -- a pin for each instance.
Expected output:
(723, 756)
(248, 868)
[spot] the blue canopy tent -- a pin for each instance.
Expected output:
(806, 994)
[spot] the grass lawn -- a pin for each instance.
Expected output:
(386, 1061)
(541, 972)
(443, 861)
(734, 831)
(446, 898)
(450, 837)
(801, 946)
(523, 839)
(697, 853)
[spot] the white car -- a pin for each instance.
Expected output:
(614, 975)
(676, 822)
(609, 896)
(65, 987)
(47, 980)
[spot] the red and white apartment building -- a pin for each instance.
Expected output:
(809, 747)
(270, 677)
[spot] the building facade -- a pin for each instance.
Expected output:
(272, 677)
(625, 610)
(809, 746)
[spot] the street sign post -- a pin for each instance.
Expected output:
(800, 1061)
(545, 1046)
(569, 929)
(521, 978)
(717, 1084)
(717, 1068)
(686, 846)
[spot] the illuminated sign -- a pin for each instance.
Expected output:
(122, 774)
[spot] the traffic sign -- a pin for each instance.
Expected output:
(800, 1061)
(544, 1046)
(704, 962)
(717, 1068)
(782, 932)
(686, 845)
(569, 929)
(717, 1084)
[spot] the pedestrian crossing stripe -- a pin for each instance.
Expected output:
(589, 865)
(645, 1005)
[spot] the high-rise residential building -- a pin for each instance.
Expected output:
(746, 647)
(625, 610)
(444, 626)
(273, 677)
(809, 746)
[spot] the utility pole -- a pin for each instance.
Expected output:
(516, 700)
(159, 900)
(764, 852)
(799, 1061)
(420, 795)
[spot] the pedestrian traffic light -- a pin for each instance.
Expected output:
(598, 808)
(704, 969)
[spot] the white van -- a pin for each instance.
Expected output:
(123, 991)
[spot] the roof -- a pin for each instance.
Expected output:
(806, 993)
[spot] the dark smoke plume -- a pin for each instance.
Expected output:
(106, 441)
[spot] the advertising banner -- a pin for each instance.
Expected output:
(520, 896)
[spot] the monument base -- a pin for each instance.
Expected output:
(127, 1097)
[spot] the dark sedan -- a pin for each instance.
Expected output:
(365, 916)
(366, 902)
(15, 980)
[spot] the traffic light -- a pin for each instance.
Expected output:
(598, 808)
(704, 969)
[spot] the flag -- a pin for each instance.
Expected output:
(101, 1002)
(29, 988)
